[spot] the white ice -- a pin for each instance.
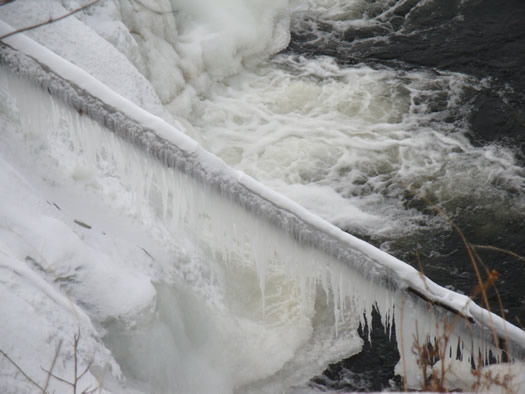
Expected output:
(155, 268)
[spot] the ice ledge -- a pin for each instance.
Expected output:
(169, 145)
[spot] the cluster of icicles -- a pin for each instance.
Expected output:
(243, 225)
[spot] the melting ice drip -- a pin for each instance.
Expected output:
(300, 265)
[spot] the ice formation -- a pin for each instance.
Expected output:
(239, 288)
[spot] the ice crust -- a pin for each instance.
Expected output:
(280, 267)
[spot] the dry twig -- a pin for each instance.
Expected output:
(22, 371)
(49, 21)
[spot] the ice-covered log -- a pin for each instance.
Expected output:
(192, 188)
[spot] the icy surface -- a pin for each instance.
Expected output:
(196, 266)
(208, 301)
(186, 45)
(78, 42)
(286, 283)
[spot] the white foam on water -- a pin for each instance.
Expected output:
(349, 143)
(326, 19)
(186, 46)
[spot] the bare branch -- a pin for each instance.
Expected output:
(101, 378)
(89, 390)
(49, 21)
(22, 371)
(50, 374)
(52, 365)
(75, 355)
(57, 377)
(86, 370)
(495, 249)
(403, 359)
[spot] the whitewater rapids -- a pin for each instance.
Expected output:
(174, 286)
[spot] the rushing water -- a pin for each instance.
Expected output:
(485, 42)
(380, 116)
(478, 39)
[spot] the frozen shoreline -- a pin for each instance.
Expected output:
(79, 91)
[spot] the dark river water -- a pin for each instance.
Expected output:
(484, 39)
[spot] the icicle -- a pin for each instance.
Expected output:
(272, 238)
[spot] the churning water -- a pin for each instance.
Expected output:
(380, 113)
(383, 117)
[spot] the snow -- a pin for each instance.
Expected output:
(38, 314)
(204, 298)
(102, 60)
(150, 244)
